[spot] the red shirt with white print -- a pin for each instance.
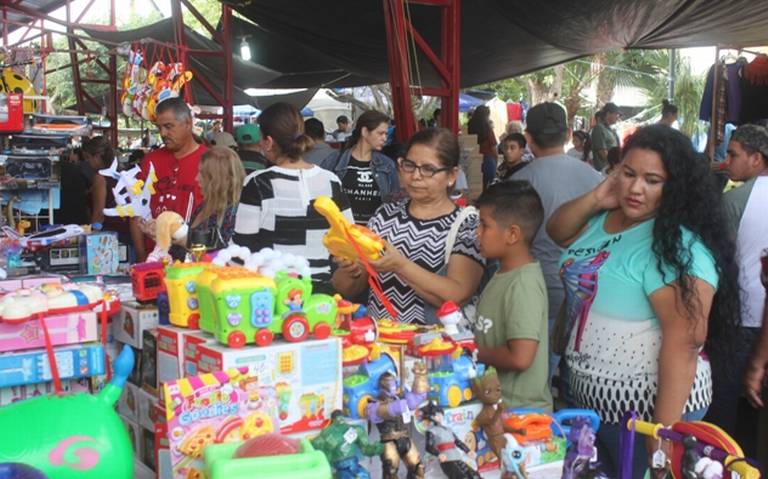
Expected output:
(176, 188)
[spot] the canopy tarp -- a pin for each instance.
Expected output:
(499, 38)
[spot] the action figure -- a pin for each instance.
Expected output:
(443, 443)
(581, 456)
(488, 390)
(512, 459)
(343, 444)
(391, 414)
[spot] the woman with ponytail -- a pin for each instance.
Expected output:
(276, 204)
(368, 176)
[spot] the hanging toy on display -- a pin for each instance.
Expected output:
(169, 228)
(344, 444)
(132, 194)
(391, 413)
(442, 443)
(13, 82)
(131, 82)
(73, 436)
(165, 81)
(512, 459)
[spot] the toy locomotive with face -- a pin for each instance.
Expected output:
(239, 306)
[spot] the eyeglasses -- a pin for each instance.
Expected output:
(427, 171)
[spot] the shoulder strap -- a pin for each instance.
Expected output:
(454, 232)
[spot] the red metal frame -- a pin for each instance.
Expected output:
(447, 64)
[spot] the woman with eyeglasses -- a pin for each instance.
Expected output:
(414, 273)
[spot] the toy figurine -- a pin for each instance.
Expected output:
(343, 444)
(443, 443)
(488, 390)
(294, 300)
(391, 414)
(169, 227)
(581, 456)
(450, 315)
(512, 459)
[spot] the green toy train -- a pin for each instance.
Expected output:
(240, 307)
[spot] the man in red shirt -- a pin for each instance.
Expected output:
(176, 166)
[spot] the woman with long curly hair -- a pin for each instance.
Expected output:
(650, 279)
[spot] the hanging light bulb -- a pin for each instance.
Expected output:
(245, 50)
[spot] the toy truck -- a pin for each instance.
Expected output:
(239, 307)
(450, 372)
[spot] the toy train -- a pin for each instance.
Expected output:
(451, 370)
(239, 306)
(363, 386)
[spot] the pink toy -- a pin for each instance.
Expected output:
(72, 328)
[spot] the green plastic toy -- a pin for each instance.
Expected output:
(343, 444)
(74, 436)
(220, 463)
(240, 307)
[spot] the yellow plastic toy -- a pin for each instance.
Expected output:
(337, 238)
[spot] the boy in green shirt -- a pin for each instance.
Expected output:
(511, 323)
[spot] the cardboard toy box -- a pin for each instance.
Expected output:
(306, 375)
(30, 367)
(134, 432)
(128, 404)
(130, 323)
(225, 406)
(13, 394)
(72, 328)
(99, 253)
(147, 409)
(174, 345)
(149, 361)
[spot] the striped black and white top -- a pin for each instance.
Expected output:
(423, 242)
(276, 211)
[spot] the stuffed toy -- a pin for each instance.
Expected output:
(170, 228)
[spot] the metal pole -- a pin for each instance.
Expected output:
(672, 68)
(226, 45)
(713, 119)
(399, 79)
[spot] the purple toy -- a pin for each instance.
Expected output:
(581, 457)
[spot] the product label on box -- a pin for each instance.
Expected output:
(225, 406)
(32, 367)
(101, 253)
(306, 377)
(63, 329)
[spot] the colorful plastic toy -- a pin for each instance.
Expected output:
(395, 332)
(181, 286)
(221, 463)
(581, 457)
(241, 307)
(712, 443)
(391, 412)
(512, 459)
(442, 443)
(529, 427)
(362, 387)
(77, 436)
(132, 194)
(344, 239)
(148, 280)
(450, 372)
(48, 299)
(343, 444)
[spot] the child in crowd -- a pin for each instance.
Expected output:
(511, 324)
(513, 148)
(613, 158)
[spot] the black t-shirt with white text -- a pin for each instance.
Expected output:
(361, 189)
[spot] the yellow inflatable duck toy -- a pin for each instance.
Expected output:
(337, 238)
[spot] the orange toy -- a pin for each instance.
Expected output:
(337, 239)
(529, 427)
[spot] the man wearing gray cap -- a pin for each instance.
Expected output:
(745, 208)
(557, 178)
(603, 136)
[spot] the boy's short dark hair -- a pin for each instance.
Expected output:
(518, 138)
(314, 128)
(514, 202)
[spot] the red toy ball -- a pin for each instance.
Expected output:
(268, 445)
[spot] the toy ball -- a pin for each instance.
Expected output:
(271, 444)
(16, 470)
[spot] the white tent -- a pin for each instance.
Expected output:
(326, 109)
